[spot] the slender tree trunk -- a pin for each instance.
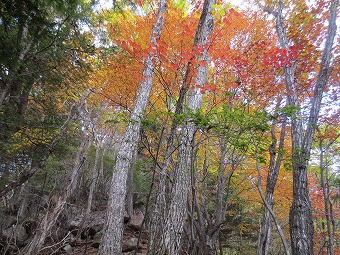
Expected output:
(177, 210)
(93, 184)
(269, 207)
(24, 203)
(324, 180)
(49, 219)
(156, 244)
(94, 178)
(208, 226)
(275, 154)
(161, 206)
(130, 187)
(300, 217)
(111, 241)
(103, 182)
(266, 227)
(273, 216)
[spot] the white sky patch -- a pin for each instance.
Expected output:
(107, 4)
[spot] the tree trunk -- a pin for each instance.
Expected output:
(49, 219)
(268, 206)
(266, 228)
(130, 187)
(161, 206)
(160, 211)
(300, 218)
(111, 241)
(177, 210)
(94, 180)
(275, 154)
(208, 225)
(156, 244)
(324, 181)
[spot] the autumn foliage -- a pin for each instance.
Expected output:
(246, 105)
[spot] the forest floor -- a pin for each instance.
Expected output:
(90, 247)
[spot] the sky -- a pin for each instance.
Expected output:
(108, 3)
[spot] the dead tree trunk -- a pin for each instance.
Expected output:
(111, 241)
(49, 219)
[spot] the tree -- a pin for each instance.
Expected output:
(43, 61)
(276, 151)
(173, 220)
(324, 190)
(301, 223)
(111, 241)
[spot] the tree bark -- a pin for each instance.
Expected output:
(156, 244)
(179, 193)
(207, 225)
(130, 187)
(94, 177)
(275, 158)
(49, 219)
(325, 185)
(111, 241)
(268, 206)
(300, 217)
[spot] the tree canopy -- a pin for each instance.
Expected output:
(217, 122)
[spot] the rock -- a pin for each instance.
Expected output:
(68, 249)
(126, 217)
(73, 225)
(96, 240)
(88, 233)
(130, 244)
(17, 232)
(97, 220)
(144, 235)
(94, 223)
(136, 220)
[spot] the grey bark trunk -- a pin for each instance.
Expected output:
(208, 226)
(275, 154)
(111, 241)
(268, 206)
(162, 241)
(130, 188)
(324, 180)
(161, 206)
(94, 179)
(300, 218)
(178, 205)
(159, 213)
(49, 219)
